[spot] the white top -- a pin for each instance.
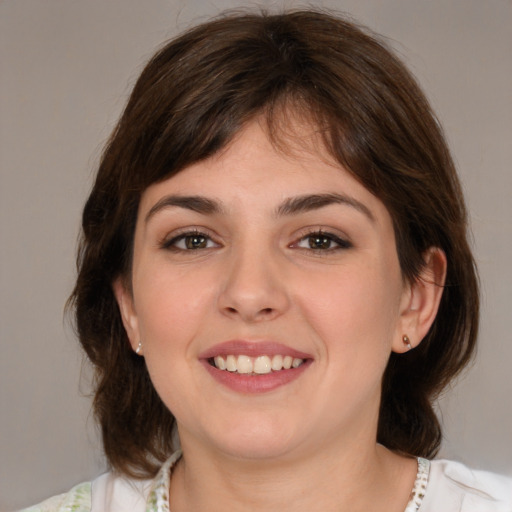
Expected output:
(441, 486)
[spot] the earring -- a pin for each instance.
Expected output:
(407, 342)
(139, 348)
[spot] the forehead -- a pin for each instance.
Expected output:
(273, 161)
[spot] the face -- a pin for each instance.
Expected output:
(250, 262)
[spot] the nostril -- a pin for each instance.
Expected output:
(262, 312)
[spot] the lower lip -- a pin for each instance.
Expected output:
(243, 383)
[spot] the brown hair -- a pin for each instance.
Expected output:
(193, 96)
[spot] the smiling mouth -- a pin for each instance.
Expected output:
(259, 365)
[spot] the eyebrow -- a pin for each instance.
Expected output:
(291, 206)
(310, 202)
(197, 204)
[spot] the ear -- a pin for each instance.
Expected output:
(128, 314)
(420, 301)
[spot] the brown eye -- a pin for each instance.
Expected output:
(195, 241)
(319, 242)
(190, 241)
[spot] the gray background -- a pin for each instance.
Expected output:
(66, 69)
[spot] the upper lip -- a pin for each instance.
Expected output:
(252, 349)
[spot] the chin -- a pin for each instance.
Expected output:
(256, 440)
(257, 449)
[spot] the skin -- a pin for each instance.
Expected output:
(258, 275)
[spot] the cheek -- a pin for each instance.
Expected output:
(354, 309)
(170, 306)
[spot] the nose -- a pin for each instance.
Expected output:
(254, 287)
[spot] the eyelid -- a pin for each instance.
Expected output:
(343, 242)
(168, 241)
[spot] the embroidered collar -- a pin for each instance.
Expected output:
(158, 499)
(420, 486)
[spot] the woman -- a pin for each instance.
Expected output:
(275, 282)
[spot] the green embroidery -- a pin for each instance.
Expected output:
(158, 499)
(77, 499)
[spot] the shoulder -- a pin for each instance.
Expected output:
(454, 487)
(77, 499)
(112, 492)
(107, 493)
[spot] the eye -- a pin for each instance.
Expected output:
(322, 241)
(190, 241)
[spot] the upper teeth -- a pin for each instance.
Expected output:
(260, 364)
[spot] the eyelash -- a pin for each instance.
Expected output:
(341, 244)
(330, 238)
(172, 243)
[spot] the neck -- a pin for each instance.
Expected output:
(354, 478)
